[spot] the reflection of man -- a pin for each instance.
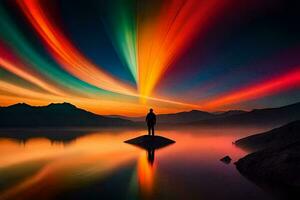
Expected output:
(151, 121)
(151, 156)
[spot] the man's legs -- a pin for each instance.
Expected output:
(152, 128)
(149, 130)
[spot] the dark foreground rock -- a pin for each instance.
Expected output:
(226, 159)
(276, 165)
(150, 142)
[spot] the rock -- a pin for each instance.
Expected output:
(277, 168)
(150, 142)
(226, 159)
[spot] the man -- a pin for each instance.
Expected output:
(151, 121)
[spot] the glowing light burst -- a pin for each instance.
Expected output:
(148, 36)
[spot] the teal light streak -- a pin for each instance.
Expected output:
(119, 18)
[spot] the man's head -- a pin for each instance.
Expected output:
(151, 110)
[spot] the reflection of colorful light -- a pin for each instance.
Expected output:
(145, 173)
(262, 89)
(52, 168)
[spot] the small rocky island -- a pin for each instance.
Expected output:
(275, 162)
(150, 142)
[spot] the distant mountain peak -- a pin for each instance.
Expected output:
(64, 104)
(197, 111)
(20, 105)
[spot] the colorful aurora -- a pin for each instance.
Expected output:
(123, 56)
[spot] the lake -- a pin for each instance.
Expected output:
(97, 164)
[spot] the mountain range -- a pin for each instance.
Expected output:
(54, 115)
(267, 116)
(183, 117)
(68, 115)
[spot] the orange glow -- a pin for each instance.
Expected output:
(97, 103)
(21, 91)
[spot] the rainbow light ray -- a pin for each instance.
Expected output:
(162, 39)
(65, 53)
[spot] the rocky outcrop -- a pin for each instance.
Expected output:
(283, 135)
(276, 163)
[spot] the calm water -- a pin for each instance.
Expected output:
(98, 165)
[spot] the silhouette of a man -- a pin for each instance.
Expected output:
(151, 121)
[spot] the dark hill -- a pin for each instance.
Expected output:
(54, 115)
(183, 117)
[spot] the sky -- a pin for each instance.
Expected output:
(125, 56)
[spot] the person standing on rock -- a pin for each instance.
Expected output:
(151, 121)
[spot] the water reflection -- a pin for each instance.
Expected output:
(146, 175)
(145, 165)
(54, 167)
(151, 155)
(99, 165)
